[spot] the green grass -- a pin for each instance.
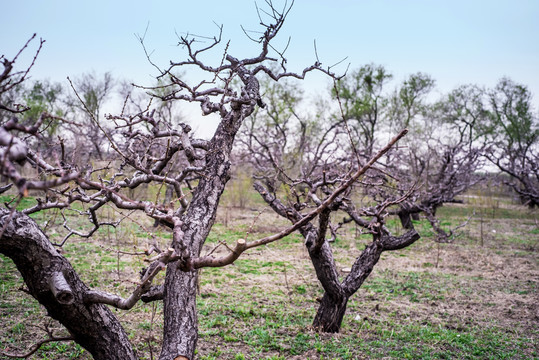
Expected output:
(377, 337)
(416, 286)
(449, 211)
(54, 350)
(23, 203)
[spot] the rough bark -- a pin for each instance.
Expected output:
(330, 313)
(180, 315)
(93, 326)
(324, 266)
(180, 326)
(333, 304)
(332, 308)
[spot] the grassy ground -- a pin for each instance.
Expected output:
(476, 298)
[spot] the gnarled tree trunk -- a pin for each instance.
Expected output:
(330, 313)
(333, 305)
(53, 282)
(180, 327)
(180, 314)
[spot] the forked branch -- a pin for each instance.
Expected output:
(209, 261)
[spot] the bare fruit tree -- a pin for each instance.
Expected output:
(448, 159)
(86, 112)
(297, 159)
(299, 168)
(148, 149)
(440, 159)
(513, 136)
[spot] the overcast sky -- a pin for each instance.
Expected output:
(456, 42)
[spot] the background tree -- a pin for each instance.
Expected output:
(306, 162)
(513, 134)
(444, 163)
(86, 101)
(363, 102)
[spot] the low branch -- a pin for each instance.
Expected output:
(97, 296)
(5, 188)
(210, 261)
(390, 243)
(153, 294)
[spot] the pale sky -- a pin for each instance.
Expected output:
(456, 42)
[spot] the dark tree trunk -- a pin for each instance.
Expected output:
(93, 326)
(406, 219)
(330, 313)
(333, 304)
(180, 314)
(180, 326)
(406, 216)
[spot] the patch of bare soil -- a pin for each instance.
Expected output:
(486, 287)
